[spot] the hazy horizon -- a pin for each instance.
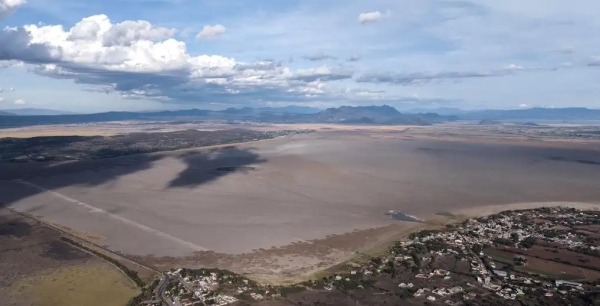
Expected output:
(416, 109)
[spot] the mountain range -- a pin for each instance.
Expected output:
(345, 114)
(382, 115)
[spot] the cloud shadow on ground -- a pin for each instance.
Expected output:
(201, 167)
(580, 161)
(97, 172)
(207, 166)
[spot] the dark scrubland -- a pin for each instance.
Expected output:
(61, 148)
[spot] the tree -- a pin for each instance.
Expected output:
(514, 237)
(528, 242)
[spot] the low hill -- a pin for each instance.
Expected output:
(3, 113)
(538, 113)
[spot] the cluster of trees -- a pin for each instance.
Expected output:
(503, 241)
(528, 242)
(519, 260)
(146, 293)
(437, 244)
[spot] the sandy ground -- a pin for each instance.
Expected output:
(294, 204)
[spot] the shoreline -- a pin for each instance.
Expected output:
(339, 258)
(435, 221)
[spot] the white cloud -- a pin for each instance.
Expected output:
(369, 17)
(99, 27)
(523, 105)
(139, 60)
(1, 99)
(211, 32)
(8, 6)
(11, 89)
(20, 102)
(514, 67)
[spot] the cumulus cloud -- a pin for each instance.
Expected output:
(211, 32)
(1, 99)
(318, 57)
(523, 105)
(8, 6)
(371, 17)
(595, 61)
(141, 61)
(127, 32)
(20, 102)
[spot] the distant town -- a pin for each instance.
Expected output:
(547, 256)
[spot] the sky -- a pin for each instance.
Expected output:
(91, 56)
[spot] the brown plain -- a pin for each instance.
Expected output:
(309, 201)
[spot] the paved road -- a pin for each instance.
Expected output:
(160, 291)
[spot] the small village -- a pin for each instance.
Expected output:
(489, 260)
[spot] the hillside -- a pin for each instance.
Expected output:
(3, 113)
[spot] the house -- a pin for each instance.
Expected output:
(568, 283)
(439, 272)
(501, 273)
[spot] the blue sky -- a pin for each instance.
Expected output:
(88, 56)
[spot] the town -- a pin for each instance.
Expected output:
(510, 258)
